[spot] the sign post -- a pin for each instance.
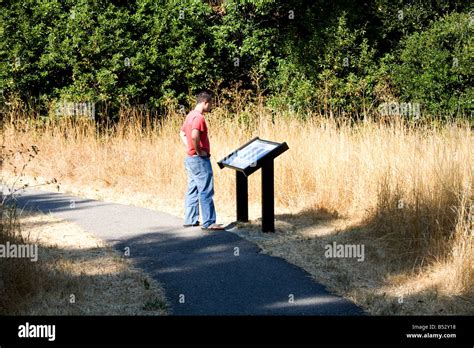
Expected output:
(268, 197)
(247, 159)
(242, 194)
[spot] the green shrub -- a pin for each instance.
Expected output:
(436, 65)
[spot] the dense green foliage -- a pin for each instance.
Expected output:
(437, 66)
(331, 56)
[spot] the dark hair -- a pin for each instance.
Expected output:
(203, 96)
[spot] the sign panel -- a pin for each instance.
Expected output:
(249, 155)
(247, 159)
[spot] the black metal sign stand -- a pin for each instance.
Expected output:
(268, 198)
(264, 160)
(242, 194)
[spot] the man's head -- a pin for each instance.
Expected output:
(204, 101)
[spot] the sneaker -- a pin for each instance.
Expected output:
(192, 225)
(213, 227)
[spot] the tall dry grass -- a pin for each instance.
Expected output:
(412, 185)
(20, 278)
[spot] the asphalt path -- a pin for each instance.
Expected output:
(203, 273)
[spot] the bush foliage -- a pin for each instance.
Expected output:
(331, 56)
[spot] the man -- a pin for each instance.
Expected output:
(198, 165)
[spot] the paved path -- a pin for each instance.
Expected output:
(199, 265)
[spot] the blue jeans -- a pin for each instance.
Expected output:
(200, 190)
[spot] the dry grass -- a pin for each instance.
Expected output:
(105, 283)
(403, 191)
(18, 276)
(76, 274)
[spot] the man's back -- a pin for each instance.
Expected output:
(195, 120)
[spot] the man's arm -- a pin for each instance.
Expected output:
(183, 138)
(196, 138)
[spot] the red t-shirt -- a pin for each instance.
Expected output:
(195, 120)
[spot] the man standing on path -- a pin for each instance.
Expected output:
(198, 165)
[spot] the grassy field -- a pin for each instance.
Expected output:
(402, 191)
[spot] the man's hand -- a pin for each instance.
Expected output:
(182, 135)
